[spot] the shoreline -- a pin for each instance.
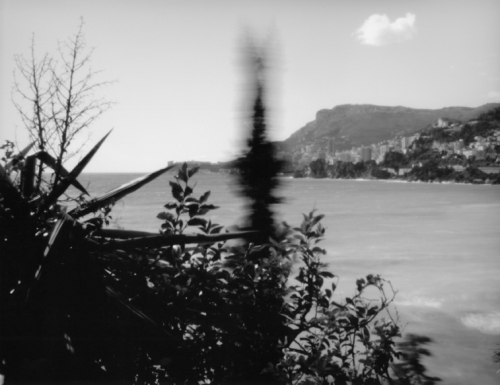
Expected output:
(398, 180)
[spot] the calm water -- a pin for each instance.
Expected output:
(439, 245)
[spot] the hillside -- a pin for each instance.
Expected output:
(356, 125)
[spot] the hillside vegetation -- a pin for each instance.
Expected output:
(355, 125)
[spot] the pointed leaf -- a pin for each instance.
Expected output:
(65, 182)
(177, 239)
(166, 216)
(204, 197)
(117, 193)
(170, 205)
(54, 234)
(18, 157)
(122, 234)
(182, 174)
(193, 171)
(206, 208)
(28, 177)
(50, 161)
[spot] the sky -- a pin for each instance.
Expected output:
(179, 85)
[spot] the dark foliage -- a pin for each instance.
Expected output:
(318, 168)
(410, 368)
(395, 160)
(82, 303)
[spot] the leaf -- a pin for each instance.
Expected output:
(118, 233)
(50, 161)
(171, 205)
(326, 274)
(316, 219)
(182, 174)
(53, 235)
(197, 222)
(117, 193)
(193, 209)
(177, 191)
(188, 191)
(4, 176)
(206, 208)
(216, 229)
(162, 240)
(65, 182)
(28, 176)
(319, 250)
(166, 216)
(193, 171)
(204, 197)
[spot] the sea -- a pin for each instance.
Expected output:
(438, 244)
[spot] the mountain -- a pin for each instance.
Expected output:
(357, 125)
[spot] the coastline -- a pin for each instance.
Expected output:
(403, 180)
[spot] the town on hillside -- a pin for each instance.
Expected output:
(449, 150)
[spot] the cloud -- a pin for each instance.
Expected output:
(493, 95)
(378, 30)
(488, 323)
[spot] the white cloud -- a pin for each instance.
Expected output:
(493, 95)
(378, 30)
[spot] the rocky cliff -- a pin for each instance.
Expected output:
(365, 124)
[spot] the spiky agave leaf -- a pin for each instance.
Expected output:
(156, 241)
(122, 234)
(18, 157)
(50, 161)
(5, 178)
(63, 185)
(28, 177)
(117, 193)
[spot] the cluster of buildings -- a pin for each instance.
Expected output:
(325, 148)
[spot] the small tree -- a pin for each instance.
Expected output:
(56, 99)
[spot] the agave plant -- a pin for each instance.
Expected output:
(61, 301)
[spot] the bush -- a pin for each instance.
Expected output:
(84, 303)
(210, 312)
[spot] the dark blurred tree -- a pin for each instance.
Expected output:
(259, 167)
